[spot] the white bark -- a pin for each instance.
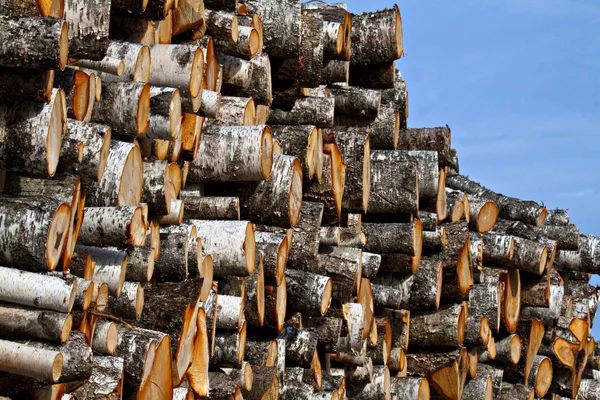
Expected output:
(111, 267)
(231, 244)
(106, 336)
(113, 226)
(33, 362)
(229, 312)
(35, 290)
(177, 65)
(136, 58)
(23, 322)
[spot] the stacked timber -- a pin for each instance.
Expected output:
(222, 199)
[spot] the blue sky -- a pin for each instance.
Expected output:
(518, 81)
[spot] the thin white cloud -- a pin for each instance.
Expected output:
(578, 194)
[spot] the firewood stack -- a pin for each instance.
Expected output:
(222, 199)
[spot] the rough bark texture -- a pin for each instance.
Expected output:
(305, 111)
(247, 78)
(113, 226)
(509, 208)
(106, 381)
(22, 322)
(356, 155)
(233, 153)
(136, 58)
(88, 24)
(26, 84)
(373, 76)
(281, 25)
(47, 51)
(377, 37)
(395, 189)
(308, 293)
(343, 266)
(394, 238)
(355, 101)
(441, 328)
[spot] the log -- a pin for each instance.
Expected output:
(165, 114)
(113, 226)
(274, 308)
(136, 58)
(45, 125)
(231, 243)
(302, 142)
(88, 28)
(394, 238)
(378, 389)
(330, 189)
(539, 378)
(181, 253)
(188, 14)
(248, 43)
(305, 111)
(409, 388)
(335, 72)
(31, 361)
(356, 155)
(343, 266)
(394, 189)
(373, 76)
(130, 29)
(445, 371)
(221, 25)
(211, 208)
(47, 292)
(481, 387)
(508, 351)
(247, 78)
(109, 65)
(370, 264)
(557, 217)
(442, 328)
(308, 293)
(125, 107)
(420, 290)
(20, 322)
(19, 50)
(377, 37)
(106, 380)
(281, 36)
(233, 153)
(283, 190)
(33, 9)
(430, 139)
(403, 264)
(230, 312)
(235, 111)
(482, 214)
(129, 304)
(185, 74)
(512, 299)
(355, 101)
(122, 182)
(275, 250)
(26, 84)
(173, 309)
(137, 348)
(586, 259)
(106, 336)
(222, 386)
(498, 249)
(95, 140)
(518, 391)
(229, 347)
(264, 386)
(458, 265)
(509, 208)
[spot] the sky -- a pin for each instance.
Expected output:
(518, 82)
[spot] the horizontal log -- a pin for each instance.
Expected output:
(355, 100)
(305, 111)
(377, 36)
(136, 58)
(395, 190)
(27, 84)
(88, 30)
(247, 78)
(106, 379)
(442, 328)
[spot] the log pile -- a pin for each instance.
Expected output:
(222, 199)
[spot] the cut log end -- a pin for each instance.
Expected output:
(131, 185)
(197, 73)
(462, 323)
(66, 329)
(57, 366)
(281, 306)
(250, 248)
(112, 338)
(139, 300)
(326, 299)
(142, 65)
(282, 256)
(418, 240)
(56, 130)
(366, 175)
(399, 45)
(80, 95)
(295, 202)
(104, 152)
(543, 379)
(57, 234)
(512, 300)
(515, 349)
(487, 217)
(542, 217)
(253, 43)
(543, 261)
(143, 111)
(137, 228)
(424, 391)
(266, 152)
(63, 46)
